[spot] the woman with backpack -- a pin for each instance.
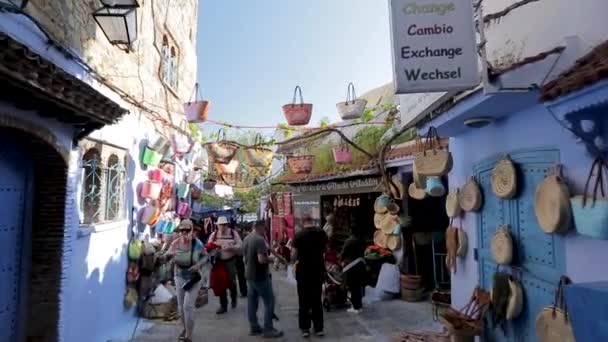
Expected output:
(189, 256)
(230, 243)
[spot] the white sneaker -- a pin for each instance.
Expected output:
(353, 311)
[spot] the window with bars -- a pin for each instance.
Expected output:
(169, 60)
(103, 187)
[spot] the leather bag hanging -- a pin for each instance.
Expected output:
(502, 245)
(463, 242)
(451, 241)
(434, 160)
(452, 203)
(552, 203)
(553, 323)
(504, 178)
(470, 196)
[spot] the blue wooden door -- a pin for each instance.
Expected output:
(14, 174)
(539, 258)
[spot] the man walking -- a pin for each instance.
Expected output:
(230, 244)
(307, 250)
(259, 283)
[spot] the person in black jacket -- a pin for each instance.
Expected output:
(354, 270)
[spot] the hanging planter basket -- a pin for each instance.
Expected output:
(197, 110)
(151, 157)
(227, 169)
(342, 155)
(181, 144)
(259, 157)
(209, 184)
(221, 151)
(352, 108)
(297, 114)
(159, 144)
(301, 164)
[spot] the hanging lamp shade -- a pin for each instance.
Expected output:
(118, 21)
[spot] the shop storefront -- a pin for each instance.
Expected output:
(506, 163)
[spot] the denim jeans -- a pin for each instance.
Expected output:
(255, 290)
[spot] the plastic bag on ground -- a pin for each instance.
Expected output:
(389, 279)
(161, 295)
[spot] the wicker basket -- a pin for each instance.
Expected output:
(504, 179)
(412, 295)
(163, 310)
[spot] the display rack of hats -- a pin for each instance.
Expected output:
(554, 209)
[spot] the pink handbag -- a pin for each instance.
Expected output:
(342, 155)
(156, 176)
(297, 114)
(183, 209)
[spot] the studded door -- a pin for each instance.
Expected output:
(539, 257)
(13, 185)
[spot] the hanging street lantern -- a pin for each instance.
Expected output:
(118, 21)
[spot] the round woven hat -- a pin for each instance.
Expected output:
(470, 196)
(452, 204)
(502, 246)
(381, 203)
(504, 179)
(552, 205)
(388, 223)
(516, 300)
(380, 239)
(378, 218)
(552, 324)
(393, 242)
(415, 192)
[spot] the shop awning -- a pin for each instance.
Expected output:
(582, 86)
(31, 82)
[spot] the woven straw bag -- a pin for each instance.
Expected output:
(516, 300)
(259, 156)
(415, 192)
(434, 160)
(452, 204)
(419, 179)
(504, 178)
(502, 245)
(552, 203)
(553, 323)
(222, 151)
(388, 224)
(378, 218)
(470, 196)
(380, 239)
(393, 242)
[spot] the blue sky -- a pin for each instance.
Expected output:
(251, 55)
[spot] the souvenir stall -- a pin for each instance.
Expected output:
(529, 181)
(174, 168)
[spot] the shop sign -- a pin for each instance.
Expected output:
(434, 45)
(332, 186)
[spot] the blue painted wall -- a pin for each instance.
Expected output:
(524, 130)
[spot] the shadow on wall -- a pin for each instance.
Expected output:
(97, 288)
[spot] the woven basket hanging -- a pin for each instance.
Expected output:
(393, 242)
(553, 323)
(452, 204)
(419, 179)
(502, 245)
(435, 160)
(470, 196)
(378, 218)
(552, 203)
(504, 179)
(222, 151)
(415, 192)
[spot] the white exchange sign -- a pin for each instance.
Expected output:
(434, 45)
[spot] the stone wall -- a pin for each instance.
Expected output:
(71, 23)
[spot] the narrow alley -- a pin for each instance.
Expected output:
(378, 322)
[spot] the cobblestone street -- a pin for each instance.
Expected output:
(378, 321)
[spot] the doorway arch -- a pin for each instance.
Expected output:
(33, 225)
